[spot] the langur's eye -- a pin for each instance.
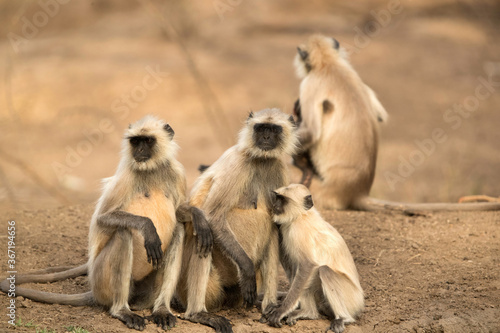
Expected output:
(258, 128)
(277, 129)
(134, 141)
(150, 140)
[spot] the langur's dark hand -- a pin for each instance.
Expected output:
(248, 286)
(274, 318)
(152, 243)
(204, 241)
(267, 311)
(203, 233)
(163, 319)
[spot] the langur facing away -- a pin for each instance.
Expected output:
(338, 128)
(339, 118)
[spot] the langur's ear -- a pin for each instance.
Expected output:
(250, 116)
(169, 130)
(336, 44)
(279, 203)
(303, 54)
(308, 202)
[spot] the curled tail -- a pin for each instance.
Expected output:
(344, 295)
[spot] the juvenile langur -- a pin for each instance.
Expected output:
(318, 263)
(235, 193)
(339, 119)
(135, 240)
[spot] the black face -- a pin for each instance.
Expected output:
(267, 136)
(142, 147)
(279, 203)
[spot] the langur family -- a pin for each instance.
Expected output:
(151, 245)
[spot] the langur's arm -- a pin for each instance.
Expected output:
(200, 192)
(121, 219)
(309, 130)
(379, 109)
(186, 213)
(305, 139)
(181, 188)
(227, 241)
(299, 283)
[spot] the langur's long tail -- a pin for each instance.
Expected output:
(53, 298)
(372, 204)
(52, 274)
(478, 198)
(44, 276)
(344, 296)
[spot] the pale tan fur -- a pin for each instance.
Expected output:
(122, 192)
(119, 192)
(138, 208)
(235, 194)
(309, 241)
(141, 206)
(342, 142)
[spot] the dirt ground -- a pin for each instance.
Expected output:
(432, 273)
(69, 87)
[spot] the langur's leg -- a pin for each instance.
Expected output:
(269, 268)
(110, 278)
(198, 275)
(162, 315)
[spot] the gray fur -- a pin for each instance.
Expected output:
(135, 214)
(236, 193)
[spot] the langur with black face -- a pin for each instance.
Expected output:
(235, 193)
(135, 240)
(318, 264)
(339, 118)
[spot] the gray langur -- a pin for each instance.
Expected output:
(317, 261)
(135, 240)
(235, 193)
(339, 120)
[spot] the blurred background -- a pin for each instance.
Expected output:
(74, 74)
